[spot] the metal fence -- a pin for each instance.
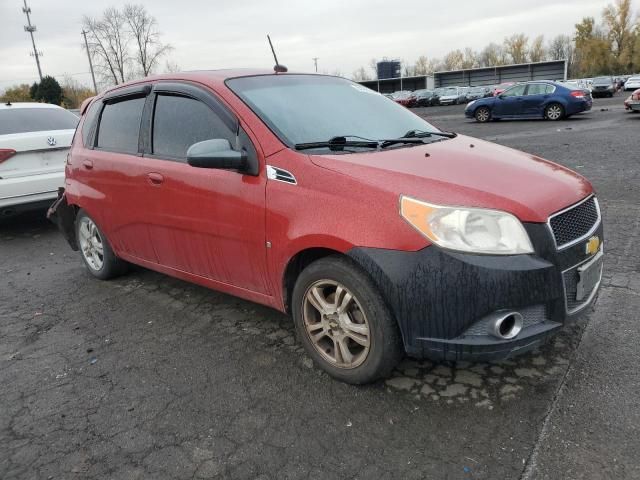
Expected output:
(552, 70)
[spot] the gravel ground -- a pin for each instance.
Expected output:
(150, 377)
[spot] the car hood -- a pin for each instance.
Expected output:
(465, 171)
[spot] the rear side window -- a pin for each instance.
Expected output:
(119, 126)
(89, 122)
(540, 89)
(23, 120)
(179, 122)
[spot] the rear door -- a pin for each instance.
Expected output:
(536, 98)
(33, 148)
(207, 222)
(114, 177)
(510, 102)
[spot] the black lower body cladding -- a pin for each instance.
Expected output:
(437, 296)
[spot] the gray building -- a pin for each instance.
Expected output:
(551, 70)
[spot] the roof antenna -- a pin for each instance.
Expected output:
(277, 67)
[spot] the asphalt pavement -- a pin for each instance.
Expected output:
(150, 377)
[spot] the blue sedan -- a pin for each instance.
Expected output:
(549, 100)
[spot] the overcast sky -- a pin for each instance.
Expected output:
(344, 34)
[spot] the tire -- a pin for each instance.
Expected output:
(376, 352)
(482, 114)
(96, 252)
(554, 112)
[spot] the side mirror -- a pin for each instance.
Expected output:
(216, 153)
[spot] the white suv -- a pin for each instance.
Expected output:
(34, 141)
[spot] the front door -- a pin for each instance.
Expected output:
(207, 222)
(509, 102)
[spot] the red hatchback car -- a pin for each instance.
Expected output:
(377, 232)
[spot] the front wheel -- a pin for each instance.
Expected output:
(482, 115)
(554, 111)
(96, 251)
(343, 322)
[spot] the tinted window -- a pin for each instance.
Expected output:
(21, 120)
(514, 91)
(179, 122)
(89, 120)
(120, 125)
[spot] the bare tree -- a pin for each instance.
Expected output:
(492, 55)
(537, 50)
(171, 67)
(470, 59)
(108, 39)
(360, 75)
(146, 38)
(373, 64)
(453, 60)
(516, 47)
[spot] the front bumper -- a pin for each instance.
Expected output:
(439, 298)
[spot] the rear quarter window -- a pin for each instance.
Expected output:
(23, 120)
(89, 122)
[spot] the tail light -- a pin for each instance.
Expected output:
(6, 154)
(577, 93)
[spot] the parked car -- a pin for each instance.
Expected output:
(498, 89)
(425, 98)
(603, 87)
(34, 140)
(549, 100)
(632, 103)
(633, 83)
(403, 97)
(452, 96)
(379, 233)
(475, 93)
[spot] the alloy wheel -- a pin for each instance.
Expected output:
(482, 115)
(91, 244)
(554, 112)
(336, 324)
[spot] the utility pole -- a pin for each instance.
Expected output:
(32, 28)
(315, 61)
(93, 77)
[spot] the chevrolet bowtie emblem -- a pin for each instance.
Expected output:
(593, 245)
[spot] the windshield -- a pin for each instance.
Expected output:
(22, 120)
(603, 80)
(312, 108)
(450, 91)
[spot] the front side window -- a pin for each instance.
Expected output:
(312, 108)
(119, 126)
(179, 122)
(516, 91)
(23, 120)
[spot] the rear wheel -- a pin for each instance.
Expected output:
(96, 251)
(482, 115)
(554, 111)
(343, 322)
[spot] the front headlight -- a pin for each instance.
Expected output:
(472, 230)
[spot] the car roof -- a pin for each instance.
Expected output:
(212, 78)
(5, 106)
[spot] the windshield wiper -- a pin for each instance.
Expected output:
(422, 134)
(337, 143)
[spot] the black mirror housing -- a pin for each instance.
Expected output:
(216, 153)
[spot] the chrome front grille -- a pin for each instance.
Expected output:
(575, 223)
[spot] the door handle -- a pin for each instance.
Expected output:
(155, 178)
(88, 164)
